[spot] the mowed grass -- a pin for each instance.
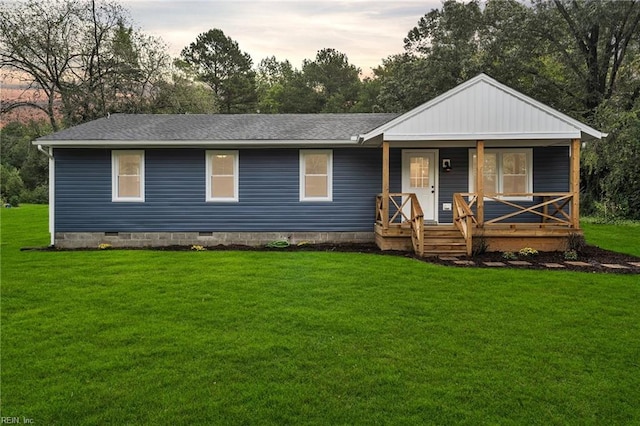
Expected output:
(621, 238)
(152, 337)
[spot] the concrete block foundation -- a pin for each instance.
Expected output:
(74, 240)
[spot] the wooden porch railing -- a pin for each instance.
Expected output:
(404, 211)
(551, 209)
(463, 219)
(398, 217)
(417, 225)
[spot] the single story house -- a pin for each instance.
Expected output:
(481, 162)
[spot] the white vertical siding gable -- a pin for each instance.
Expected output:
(483, 108)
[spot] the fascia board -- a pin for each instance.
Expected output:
(481, 136)
(192, 144)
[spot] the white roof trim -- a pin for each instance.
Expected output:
(481, 136)
(581, 128)
(195, 143)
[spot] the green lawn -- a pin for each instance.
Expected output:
(153, 337)
(620, 238)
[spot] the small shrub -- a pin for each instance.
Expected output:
(479, 245)
(570, 255)
(278, 244)
(576, 242)
(11, 184)
(104, 246)
(38, 195)
(197, 248)
(528, 252)
(509, 255)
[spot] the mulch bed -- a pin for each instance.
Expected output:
(594, 256)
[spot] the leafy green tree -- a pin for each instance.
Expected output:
(448, 37)
(284, 89)
(368, 96)
(334, 79)
(591, 39)
(20, 155)
(11, 185)
(221, 64)
(451, 44)
(183, 94)
(404, 83)
(566, 54)
(611, 167)
(80, 59)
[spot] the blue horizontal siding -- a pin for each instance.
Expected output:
(268, 191)
(551, 169)
(175, 193)
(455, 180)
(550, 174)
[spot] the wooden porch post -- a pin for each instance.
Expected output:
(385, 184)
(575, 182)
(480, 181)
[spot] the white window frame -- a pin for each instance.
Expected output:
(236, 175)
(115, 172)
(499, 174)
(329, 154)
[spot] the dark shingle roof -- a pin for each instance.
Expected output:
(221, 127)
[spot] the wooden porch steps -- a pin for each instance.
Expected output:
(443, 240)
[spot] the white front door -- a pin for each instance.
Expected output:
(419, 176)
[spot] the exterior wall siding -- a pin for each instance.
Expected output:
(550, 174)
(456, 180)
(268, 191)
(175, 193)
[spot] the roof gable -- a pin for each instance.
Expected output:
(483, 108)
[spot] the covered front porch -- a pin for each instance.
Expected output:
(543, 220)
(515, 184)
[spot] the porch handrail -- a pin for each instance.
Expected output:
(415, 218)
(399, 206)
(417, 225)
(554, 200)
(463, 219)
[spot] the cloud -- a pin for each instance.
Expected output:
(366, 31)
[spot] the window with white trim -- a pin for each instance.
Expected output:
(127, 175)
(316, 175)
(222, 175)
(506, 171)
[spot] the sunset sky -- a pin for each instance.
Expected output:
(365, 30)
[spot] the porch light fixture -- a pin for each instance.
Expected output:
(446, 165)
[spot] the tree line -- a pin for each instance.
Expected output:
(83, 59)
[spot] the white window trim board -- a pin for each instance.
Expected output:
(236, 176)
(329, 153)
(115, 172)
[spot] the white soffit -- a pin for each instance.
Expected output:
(483, 108)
